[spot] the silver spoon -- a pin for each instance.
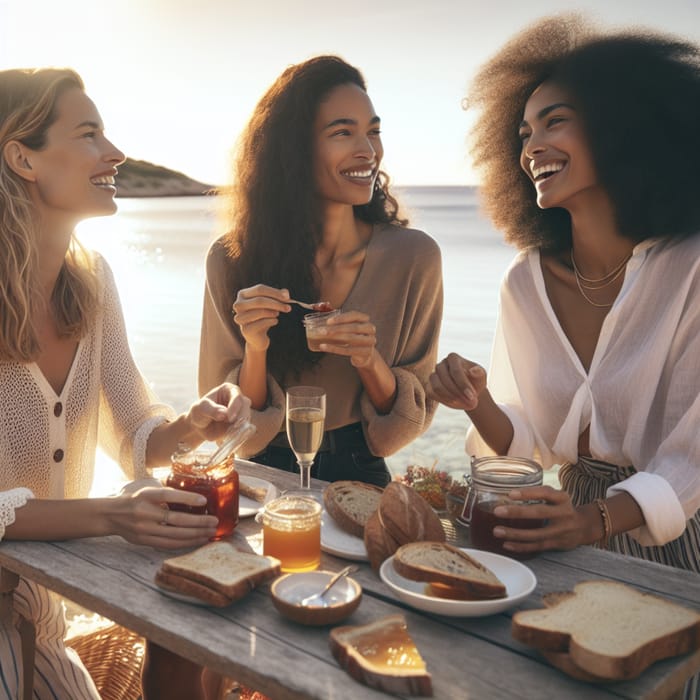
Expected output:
(234, 437)
(341, 574)
(310, 307)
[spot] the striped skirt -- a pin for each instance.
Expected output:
(589, 479)
(58, 673)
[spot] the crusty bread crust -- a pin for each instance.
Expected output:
(401, 681)
(350, 503)
(438, 562)
(608, 629)
(401, 517)
(380, 545)
(407, 517)
(185, 586)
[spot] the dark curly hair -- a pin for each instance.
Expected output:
(276, 223)
(638, 95)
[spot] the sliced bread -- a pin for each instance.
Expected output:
(441, 563)
(350, 503)
(608, 629)
(220, 567)
(382, 655)
(192, 589)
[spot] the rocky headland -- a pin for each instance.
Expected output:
(139, 178)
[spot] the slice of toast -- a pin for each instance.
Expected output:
(382, 655)
(350, 503)
(222, 568)
(609, 630)
(441, 563)
(192, 589)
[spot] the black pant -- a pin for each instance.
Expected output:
(343, 455)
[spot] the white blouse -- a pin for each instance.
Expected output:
(48, 440)
(640, 395)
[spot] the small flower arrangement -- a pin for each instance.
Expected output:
(432, 484)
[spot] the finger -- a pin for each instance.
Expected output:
(437, 391)
(251, 315)
(262, 291)
(351, 330)
(456, 384)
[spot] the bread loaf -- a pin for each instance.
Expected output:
(216, 573)
(350, 503)
(402, 516)
(408, 517)
(440, 563)
(608, 630)
(382, 655)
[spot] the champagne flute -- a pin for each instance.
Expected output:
(306, 414)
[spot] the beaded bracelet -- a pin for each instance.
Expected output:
(607, 526)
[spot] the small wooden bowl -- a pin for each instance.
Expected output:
(340, 602)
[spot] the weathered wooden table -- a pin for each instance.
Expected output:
(469, 658)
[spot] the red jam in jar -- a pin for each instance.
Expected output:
(218, 483)
(492, 478)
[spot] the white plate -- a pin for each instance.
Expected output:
(182, 597)
(248, 507)
(518, 579)
(340, 543)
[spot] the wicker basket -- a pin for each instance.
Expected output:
(113, 656)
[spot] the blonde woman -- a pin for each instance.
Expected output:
(67, 377)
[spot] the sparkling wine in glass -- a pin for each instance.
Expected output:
(306, 414)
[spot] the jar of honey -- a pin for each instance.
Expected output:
(219, 483)
(292, 532)
(491, 480)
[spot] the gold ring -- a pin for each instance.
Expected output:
(166, 515)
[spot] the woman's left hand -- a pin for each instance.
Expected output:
(211, 416)
(563, 526)
(351, 334)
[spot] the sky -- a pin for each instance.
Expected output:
(176, 80)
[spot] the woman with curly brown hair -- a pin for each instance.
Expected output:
(312, 218)
(589, 149)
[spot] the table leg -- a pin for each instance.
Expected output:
(27, 633)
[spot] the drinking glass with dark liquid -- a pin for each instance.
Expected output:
(491, 480)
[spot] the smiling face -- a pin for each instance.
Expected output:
(72, 175)
(555, 153)
(347, 146)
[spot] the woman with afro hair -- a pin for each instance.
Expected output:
(589, 150)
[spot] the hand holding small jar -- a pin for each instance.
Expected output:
(347, 333)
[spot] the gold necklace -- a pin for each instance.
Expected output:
(597, 284)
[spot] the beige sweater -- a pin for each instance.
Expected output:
(400, 288)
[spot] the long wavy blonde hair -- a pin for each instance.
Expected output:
(27, 109)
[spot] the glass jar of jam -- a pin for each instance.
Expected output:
(217, 482)
(491, 480)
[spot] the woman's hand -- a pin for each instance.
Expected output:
(457, 383)
(211, 416)
(144, 517)
(557, 524)
(256, 310)
(350, 334)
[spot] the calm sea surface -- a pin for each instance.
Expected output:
(157, 246)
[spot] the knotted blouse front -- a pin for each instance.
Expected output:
(641, 395)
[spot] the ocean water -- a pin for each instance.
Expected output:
(157, 246)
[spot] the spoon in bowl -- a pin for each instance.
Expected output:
(319, 596)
